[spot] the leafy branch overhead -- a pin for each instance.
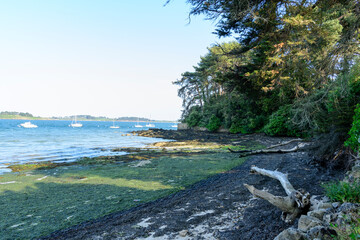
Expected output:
(294, 56)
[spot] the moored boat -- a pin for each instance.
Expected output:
(75, 124)
(28, 125)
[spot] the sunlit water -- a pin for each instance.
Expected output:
(56, 141)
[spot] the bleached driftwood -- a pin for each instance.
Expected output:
(269, 150)
(296, 201)
(285, 143)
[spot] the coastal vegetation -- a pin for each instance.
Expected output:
(343, 191)
(17, 115)
(292, 71)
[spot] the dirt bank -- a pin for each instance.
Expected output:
(216, 208)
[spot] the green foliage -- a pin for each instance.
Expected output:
(343, 191)
(346, 192)
(214, 124)
(238, 127)
(247, 124)
(293, 69)
(279, 123)
(354, 140)
(193, 119)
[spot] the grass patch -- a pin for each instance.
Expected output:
(343, 191)
(37, 202)
(234, 148)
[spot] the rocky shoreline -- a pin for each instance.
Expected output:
(317, 223)
(216, 208)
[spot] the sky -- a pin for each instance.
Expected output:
(111, 58)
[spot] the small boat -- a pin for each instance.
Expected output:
(137, 125)
(150, 125)
(174, 126)
(114, 126)
(75, 124)
(28, 125)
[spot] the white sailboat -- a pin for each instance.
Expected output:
(114, 126)
(75, 124)
(28, 125)
(150, 125)
(137, 125)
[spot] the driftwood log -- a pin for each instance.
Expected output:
(271, 148)
(295, 203)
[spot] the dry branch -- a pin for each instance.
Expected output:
(296, 201)
(285, 143)
(266, 150)
(283, 179)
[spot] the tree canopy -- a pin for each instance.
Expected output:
(291, 67)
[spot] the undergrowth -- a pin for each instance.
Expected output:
(343, 191)
(350, 229)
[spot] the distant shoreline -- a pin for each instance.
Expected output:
(83, 119)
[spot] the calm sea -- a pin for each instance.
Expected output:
(56, 141)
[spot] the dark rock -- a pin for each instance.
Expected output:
(348, 207)
(291, 234)
(319, 214)
(306, 223)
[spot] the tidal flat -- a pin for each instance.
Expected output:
(38, 198)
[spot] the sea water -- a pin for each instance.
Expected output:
(54, 140)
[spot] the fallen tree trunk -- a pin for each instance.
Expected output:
(295, 203)
(268, 150)
(285, 143)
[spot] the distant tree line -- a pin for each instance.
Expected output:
(294, 69)
(16, 114)
(89, 117)
(79, 117)
(133, 119)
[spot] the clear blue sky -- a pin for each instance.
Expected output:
(100, 57)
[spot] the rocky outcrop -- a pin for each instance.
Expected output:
(317, 224)
(182, 126)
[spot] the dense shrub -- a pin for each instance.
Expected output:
(214, 123)
(193, 119)
(238, 127)
(279, 123)
(354, 139)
